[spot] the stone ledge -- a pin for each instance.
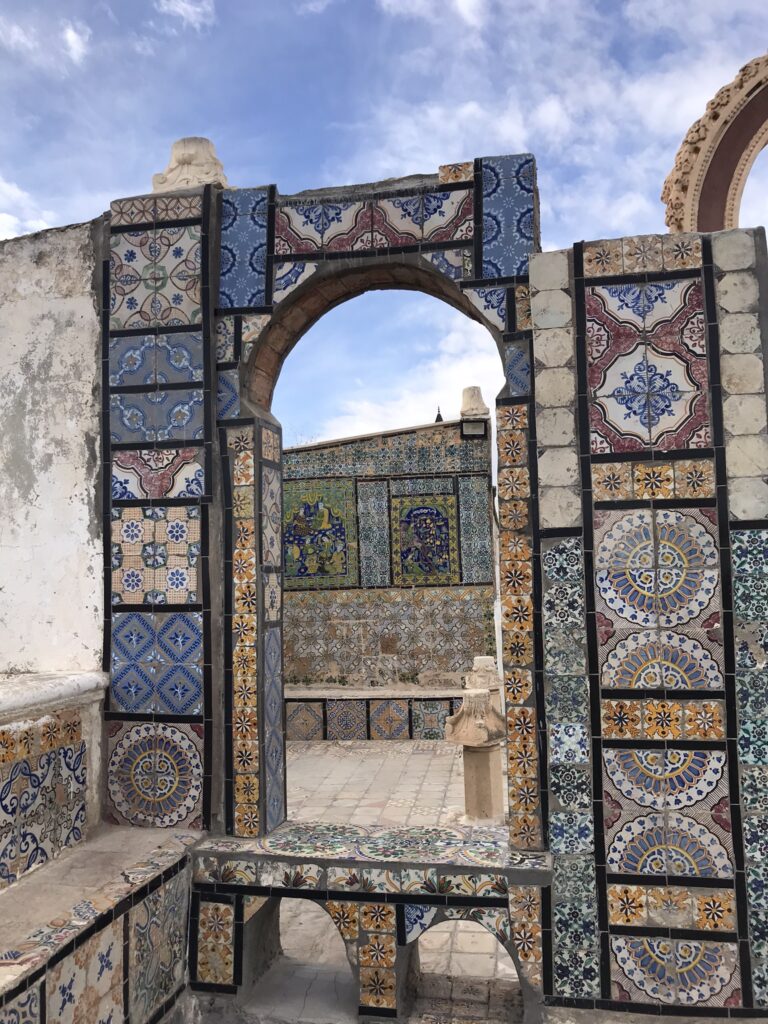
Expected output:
(32, 693)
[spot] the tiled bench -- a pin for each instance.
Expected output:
(382, 889)
(98, 936)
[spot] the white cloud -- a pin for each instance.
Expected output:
(20, 213)
(314, 6)
(16, 38)
(196, 14)
(76, 38)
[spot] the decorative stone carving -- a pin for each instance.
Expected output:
(193, 163)
(477, 723)
(682, 192)
(472, 403)
(479, 727)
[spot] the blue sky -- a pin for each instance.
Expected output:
(308, 93)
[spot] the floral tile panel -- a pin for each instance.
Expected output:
(158, 473)
(155, 553)
(155, 278)
(243, 260)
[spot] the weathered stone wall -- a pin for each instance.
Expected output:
(51, 604)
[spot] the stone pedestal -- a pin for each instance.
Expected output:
(479, 727)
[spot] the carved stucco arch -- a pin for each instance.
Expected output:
(335, 282)
(703, 190)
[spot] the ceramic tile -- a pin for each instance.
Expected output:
(304, 720)
(156, 663)
(243, 248)
(517, 368)
(508, 184)
(156, 416)
(571, 832)
(612, 481)
(155, 554)
(389, 719)
(492, 303)
(158, 473)
(157, 946)
(215, 943)
(454, 263)
(299, 228)
(155, 773)
(350, 227)
(288, 277)
(429, 717)
(448, 216)
(346, 720)
(24, 1009)
(320, 546)
(397, 221)
(227, 395)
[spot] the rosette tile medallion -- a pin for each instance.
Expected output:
(669, 846)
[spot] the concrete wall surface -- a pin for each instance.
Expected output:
(51, 602)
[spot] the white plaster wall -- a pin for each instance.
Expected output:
(51, 600)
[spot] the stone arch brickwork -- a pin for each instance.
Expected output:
(703, 191)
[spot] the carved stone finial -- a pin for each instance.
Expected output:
(472, 403)
(477, 723)
(193, 163)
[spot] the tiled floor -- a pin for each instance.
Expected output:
(376, 783)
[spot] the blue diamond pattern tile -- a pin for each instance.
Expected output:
(180, 636)
(228, 395)
(157, 662)
(180, 690)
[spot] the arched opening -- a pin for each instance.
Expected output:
(463, 962)
(373, 659)
(754, 198)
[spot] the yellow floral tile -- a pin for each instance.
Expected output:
(669, 905)
(512, 417)
(695, 478)
(378, 951)
(246, 755)
(246, 819)
(521, 724)
(705, 720)
(247, 789)
(641, 253)
(522, 760)
(242, 471)
(246, 598)
(627, 904)
(515, 547)
(653, 480)
(680, 252)
(525, 902)
(522, 307)
(518, 685)
(244, 566)
(621, 718)
(244, 630)
(612, 481)
(240, 439)
(377, 917)
(377, 987)
(526, 938)
(245, 724)
(601, 259)
(242, 502)
(513, 515)
(517, 611)
(345, 917)
(518, 647)
(245, 693)
(662, 719)
(513, 449)
(524, 831)
(516, 576)
(7, 745)
(245, 534)
(523, 795)
(714, 910)
(514, 483)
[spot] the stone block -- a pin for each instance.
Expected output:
(560, 506)
(558, 467)
(744, 414)
(551, 308)
(747, 456)
(748, 498)
(556, 427)
(742, 374)
(548, 270)
(740, 332)
(556, 387)
(733, 250)
(737, 292)
(553, 346)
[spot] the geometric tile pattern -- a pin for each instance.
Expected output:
(348, 637)
(88, 985)
(373, 523)
(155, 554)
(216, 943)
(391, 718)
(42, 791)
(157, 662)
(628, 481)
(475, 539)
(158, 473)
(508, 184)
